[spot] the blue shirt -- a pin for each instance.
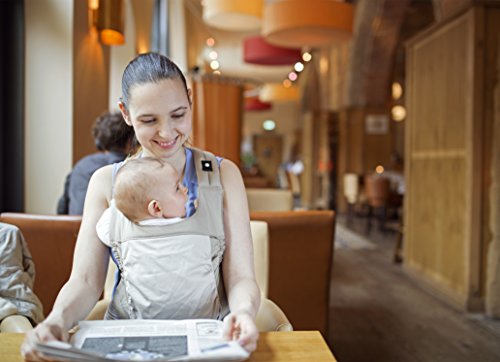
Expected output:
(190, 181)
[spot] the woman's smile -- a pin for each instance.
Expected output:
(167, 145)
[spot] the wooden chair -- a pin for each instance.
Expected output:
(377, 192)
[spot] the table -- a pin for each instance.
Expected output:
(296, 346)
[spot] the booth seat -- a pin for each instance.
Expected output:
(52, 238)
(300, 262)
(269, 199)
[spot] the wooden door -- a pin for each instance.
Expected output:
(269, 154)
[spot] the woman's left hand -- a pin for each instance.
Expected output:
(241, 327)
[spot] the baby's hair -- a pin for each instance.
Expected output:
(135, 186)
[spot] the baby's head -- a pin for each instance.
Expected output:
(148, 188)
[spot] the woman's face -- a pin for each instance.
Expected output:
(161, 116)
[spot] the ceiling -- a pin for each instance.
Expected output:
(376, 54)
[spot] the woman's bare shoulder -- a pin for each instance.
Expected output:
(101, 181)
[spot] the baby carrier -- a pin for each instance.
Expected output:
(173, 271)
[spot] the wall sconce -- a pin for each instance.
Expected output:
(93, 5)
(108, 16)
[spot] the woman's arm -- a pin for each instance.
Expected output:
(90, 261)
(238, 267)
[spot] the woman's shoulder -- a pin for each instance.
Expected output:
(191, 150)
(101, 178)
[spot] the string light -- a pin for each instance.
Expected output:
(306, 57)
(214, 64)
(292, 76)
(213, 55)
(299, 67)
(287, 83)
(210, 42)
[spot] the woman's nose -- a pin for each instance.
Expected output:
(165, 131)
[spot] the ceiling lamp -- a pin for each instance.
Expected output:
(276, 92)
(111, 22)
(257, 51)
(314, 23)
(235, 15)
(255, 104)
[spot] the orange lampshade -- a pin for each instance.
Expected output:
(314, 23)
(276, 92)
(111, 22)
(233, 15)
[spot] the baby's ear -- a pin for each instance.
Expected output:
(154, 209)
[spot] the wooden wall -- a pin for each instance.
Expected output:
(359, 151)
(444, 159)
(217, 116)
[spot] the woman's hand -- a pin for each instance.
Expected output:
(241, 327)
(44, 332)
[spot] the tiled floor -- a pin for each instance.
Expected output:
(379, 314)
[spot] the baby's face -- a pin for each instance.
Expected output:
(173, 196)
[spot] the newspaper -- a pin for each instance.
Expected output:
(146, 340)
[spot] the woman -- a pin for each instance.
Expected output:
(157, 104)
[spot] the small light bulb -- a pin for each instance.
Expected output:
(292, 76)
(379, 169)
(287, 83)
(213, 55)
(306, 57)
(210, 42)
(214, 64)
(299, 67)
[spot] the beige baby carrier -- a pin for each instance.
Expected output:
(173, 271)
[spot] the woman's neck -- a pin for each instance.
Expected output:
(178, 160)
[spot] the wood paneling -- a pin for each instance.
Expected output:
(444, 158)
(91, 65)
(217, 116)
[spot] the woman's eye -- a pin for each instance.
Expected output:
(148, 121)
(176, 116)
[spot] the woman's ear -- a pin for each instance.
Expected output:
(190, 96)
(125, 113)
(154, 209)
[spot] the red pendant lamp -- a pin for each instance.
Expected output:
(257, 51)
(255, 104)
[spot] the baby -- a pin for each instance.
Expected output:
(147, 191)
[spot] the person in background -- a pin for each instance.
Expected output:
(157, 103)
(20, 308)
(114, 139)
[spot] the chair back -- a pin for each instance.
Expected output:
(269, 199)
(51, 240)
(377, 190)
(300, 263)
